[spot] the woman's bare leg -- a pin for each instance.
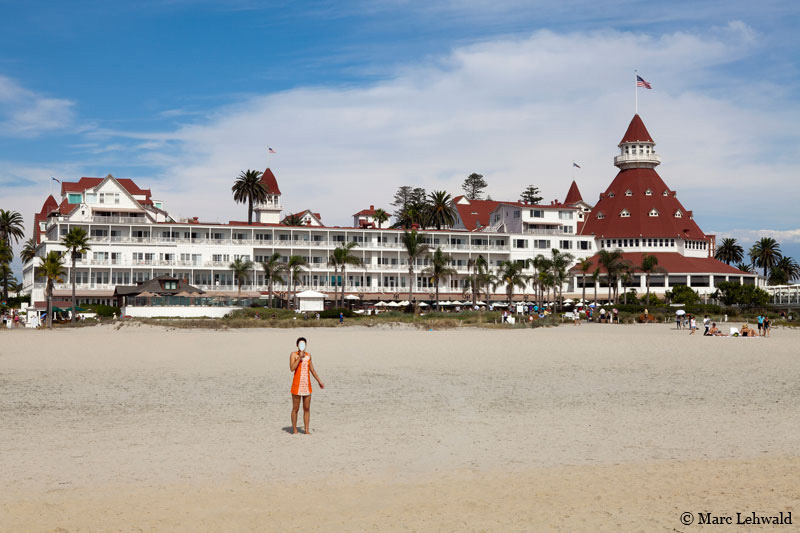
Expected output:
(306, 412)
(295, 409)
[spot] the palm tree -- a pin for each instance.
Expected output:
(510, 275)
(440, 209)
(440, 268)
(415, 249)
(729, 251)
(765, 253)
(52, 269)
(595, 279)
(28, 251)
(489, 282)
(784, 271)
(625, 278)
(12, 229)
(611, 260)
(293, 268)
(293, 220)
(241, 267)
(541, 266)
(77, 243)
(380, 216)
(583, 266)
(744, 267)
(248, 189)
(341, 257)
(649, 267)
(559, 261)
(272, 272)
(476, 278)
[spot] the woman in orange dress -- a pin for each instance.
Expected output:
(300, 363)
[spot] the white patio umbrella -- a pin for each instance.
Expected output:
(404, 303)
(380, 304)
(393, 304)
(480, 302)
(351, 297)
(568, 301)
(423, 304)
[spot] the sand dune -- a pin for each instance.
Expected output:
(578, 428)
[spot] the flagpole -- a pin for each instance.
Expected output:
(636, 91)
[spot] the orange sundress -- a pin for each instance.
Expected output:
(301, 384)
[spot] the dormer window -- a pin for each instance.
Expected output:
(648, 192)
(628, 193)
(625, 213)
(611, 195)
(600, 216)
(653, 213)
(666, 193)
(678, 214)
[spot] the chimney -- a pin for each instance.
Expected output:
(372, 207)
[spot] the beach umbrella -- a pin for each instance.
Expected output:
(423, 304)
(393, 304)
(568, 301)
(380, 304)
(680, 312)
(146, 294)
(404, 303)
(351, 297)
(456, 302)
(185, 294)
(480, 302)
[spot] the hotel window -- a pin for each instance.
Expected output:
(517, 213)
(584, 245)
(74, 198)
(565, 245)
(565, 215)
(678, 214)
(660, 243)
(648, 192)
(665, 193)
(611, 195)
(541, 244)
(628, 193)
(102, 198)
(520, 243)
(625, 213)
(600, 216)
(566, 229)
(653, 213)
(672, 242)
(537, 213)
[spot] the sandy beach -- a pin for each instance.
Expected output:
(597, 427)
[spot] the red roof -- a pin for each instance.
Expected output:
(49, 205)
(474, 213)
(87, 183)
(269, 182)
(638, 205)
(636, 132)
(573, 195)
(675, 263)
(366, 212)
(66, 208)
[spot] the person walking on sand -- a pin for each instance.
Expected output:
(300, 363)
(707, 325)
(766, 326)
(692, 325)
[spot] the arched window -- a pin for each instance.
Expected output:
(653, 212)
(625, 213)
(628, 193)
(648, 192)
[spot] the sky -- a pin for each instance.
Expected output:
(358, 98)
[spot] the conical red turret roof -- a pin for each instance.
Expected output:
(638, 191)
(636, 132)
(573, 195)
(269, 182)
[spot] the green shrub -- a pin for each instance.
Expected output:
(334, 313)
(105, 311)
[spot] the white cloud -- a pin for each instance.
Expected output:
(25, 113)
(788, 236)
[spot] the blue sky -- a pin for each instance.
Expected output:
(361, 97)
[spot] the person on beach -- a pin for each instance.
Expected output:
(760, 320)
(646, 315)
(300, 363)
(692, 325)
(766, 326)
(678, 321)
(706, 324)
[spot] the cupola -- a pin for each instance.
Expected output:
(637, 148)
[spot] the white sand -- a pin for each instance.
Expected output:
(579, 428)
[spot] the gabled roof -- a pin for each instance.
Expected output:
(366, 212)
(49, 205)
(604, 220)
(474, 212)
(66, 208)
(573, 195)
(674, 263)
(88, 183)
(636, 132)
(154, 286)
(269, 182)
(316, 216)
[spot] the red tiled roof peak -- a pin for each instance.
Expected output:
(636, 131)
(269, 182)
(573, 195)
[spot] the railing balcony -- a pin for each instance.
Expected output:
(118, 220)
(630, 159)
(547, 231)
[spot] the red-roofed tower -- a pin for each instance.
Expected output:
(269, 212)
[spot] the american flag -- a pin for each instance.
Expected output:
(641, 83)
(574, 164)
(271, 151)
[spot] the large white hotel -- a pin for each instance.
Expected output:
(134, 238)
